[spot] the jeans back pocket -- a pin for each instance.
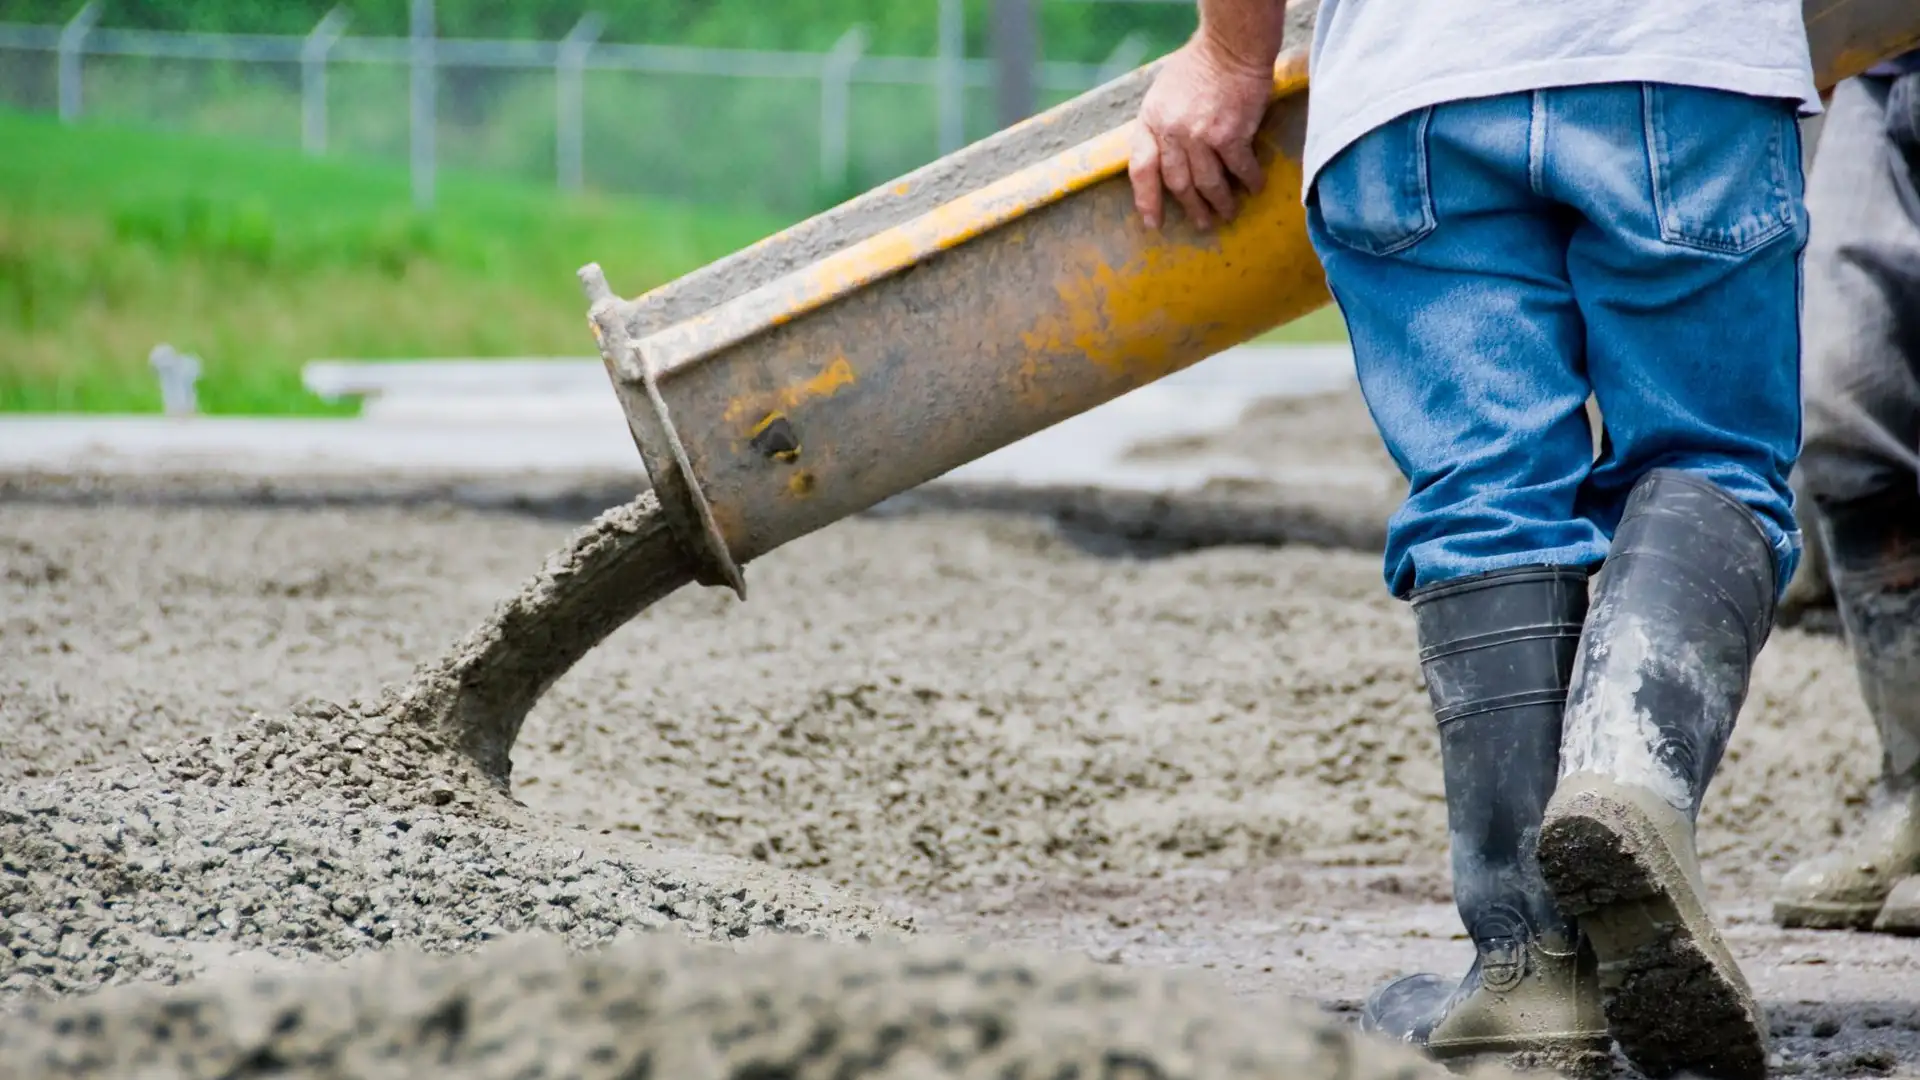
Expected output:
(1726, 167)
(1374, 196)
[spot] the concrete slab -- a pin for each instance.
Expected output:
(281, 447)
(334, 379)
(1088, 450)
(559, 416)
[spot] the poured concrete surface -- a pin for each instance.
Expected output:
(562, 416)
(1218, 761)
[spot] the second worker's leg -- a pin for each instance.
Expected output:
(1863, 431)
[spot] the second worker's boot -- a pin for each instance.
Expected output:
(1874, 559)
(1901, 912)
(1497, 650)
(1681, 608)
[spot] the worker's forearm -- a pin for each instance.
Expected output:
(1248, 33)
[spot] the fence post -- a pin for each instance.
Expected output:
(953, 76)
(569, 121)
(420, 30)
(313, 80)
(72, 37)
(836, 101)
(1129, 54)
(1016, 56)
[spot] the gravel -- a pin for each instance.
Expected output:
(326, 833)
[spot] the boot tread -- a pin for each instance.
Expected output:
(1674, 997)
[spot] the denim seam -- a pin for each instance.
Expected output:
(1387, 568)
(1781, 188)
(1787, 552)
(1651, 135)
(1422, 196)
(1670, 230)
(1793, 544)
(1799, 311)
(1537, 144)
(1423, 188)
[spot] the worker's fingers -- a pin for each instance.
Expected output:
(1210, 180)
(1178, 174)
(1143, 169)
(1239, 159)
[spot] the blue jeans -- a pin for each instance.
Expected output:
(1498, 260)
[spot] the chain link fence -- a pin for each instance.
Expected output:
(786, 131)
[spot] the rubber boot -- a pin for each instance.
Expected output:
(1875, 566)
(1496, 650)
(1681, 608)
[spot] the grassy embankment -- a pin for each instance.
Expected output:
(257, 261)
(646, 133)
(1085, 32)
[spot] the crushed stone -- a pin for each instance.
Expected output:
(326, 833)
(356, 754)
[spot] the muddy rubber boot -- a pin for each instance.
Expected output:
(1681, 608)
(1875, 566)
(1497, 650)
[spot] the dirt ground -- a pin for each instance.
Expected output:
(948, 722)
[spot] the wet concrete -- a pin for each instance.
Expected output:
(478, 693)
(1220, 757)
(1836, 1004)
(653, 1006)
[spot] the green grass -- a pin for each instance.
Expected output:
(1321, 326)
(258, 260)
(645, 136)
(1085, 32)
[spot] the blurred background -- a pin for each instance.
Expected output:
(259, 183)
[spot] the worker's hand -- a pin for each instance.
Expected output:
(1196, 132)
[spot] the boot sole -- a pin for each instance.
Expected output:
(1814, 915)
(1900, 915)
(1674, 996)
(1576, 1058)
(1908, 925)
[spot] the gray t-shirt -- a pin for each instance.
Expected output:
(1373, 60)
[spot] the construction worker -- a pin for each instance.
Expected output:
(1520, 205)
(1861, 473)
